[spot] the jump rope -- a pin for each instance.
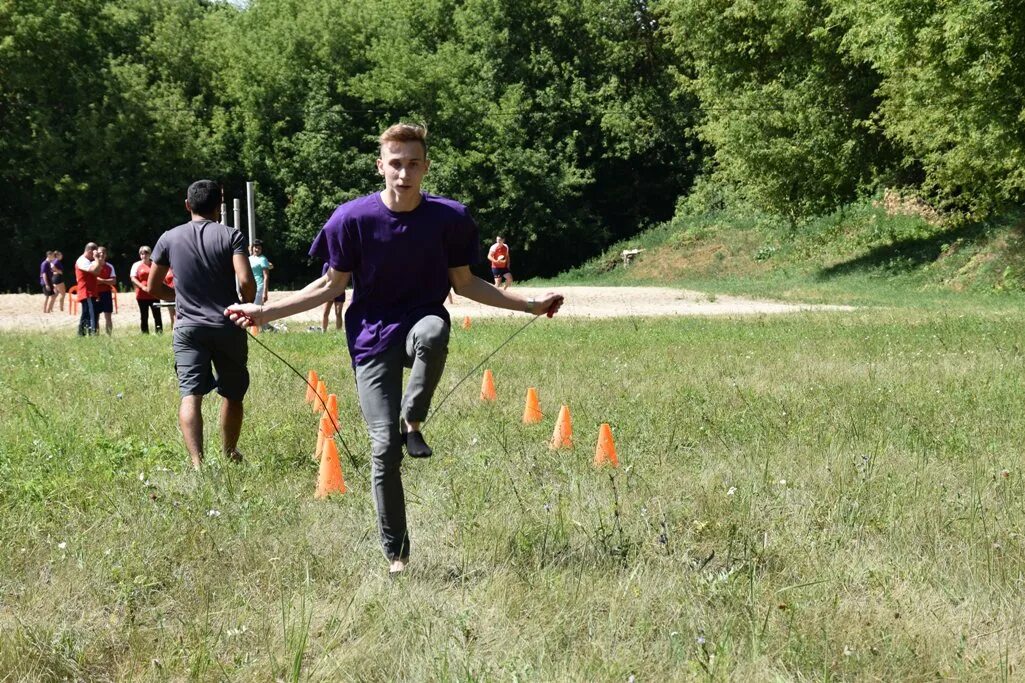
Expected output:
(337, 430)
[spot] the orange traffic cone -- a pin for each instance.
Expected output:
(325, 432)
(321, 436)
(562, 437)
(332, 408)
(466, 323)
(605, 452)
(329, 477)
(311, 386)
(320, 400)
(254, 330)
(487, 387)
(532, 410)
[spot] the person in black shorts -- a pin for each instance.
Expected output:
(46, 282)
(60, 288)
(210, 352)
(106, 277)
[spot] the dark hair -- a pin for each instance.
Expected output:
(204, 197)
(257, 243)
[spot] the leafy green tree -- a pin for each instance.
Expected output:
(952, 89)
(788, 116)
(101, 123)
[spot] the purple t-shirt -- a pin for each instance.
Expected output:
(399, 263)
(45, 272)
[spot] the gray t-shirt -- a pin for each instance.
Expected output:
(200, 254)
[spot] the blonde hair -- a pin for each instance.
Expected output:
(405, 132)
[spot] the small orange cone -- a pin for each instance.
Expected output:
(532, 410)
(487, 387)
(332, 408)
(311, 386)
(466, 323)
(321, 436)
(254, 330)
(329, 477)
(327, 423)
(605, 452)
(562, 437)
(320, 400)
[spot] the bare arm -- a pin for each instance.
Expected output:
(156, 285)
(244, 275)
(472, 287)
(312, 295)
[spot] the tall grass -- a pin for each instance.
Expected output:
(804, 497)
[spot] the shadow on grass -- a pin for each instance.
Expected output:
(905, 255)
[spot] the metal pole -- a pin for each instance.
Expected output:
(224, 212)
(251, 209)
(238, 214)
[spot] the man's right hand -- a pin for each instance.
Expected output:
(245, 315)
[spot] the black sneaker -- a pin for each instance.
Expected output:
(416, 447)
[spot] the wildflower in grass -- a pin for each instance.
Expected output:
(732, 491)
(213, 513)
(700, 640)
(782, 482)
(62, 545)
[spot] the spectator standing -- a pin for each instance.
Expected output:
(261, 272)
(209, 351)
(335, 303)
(169, 281)
(139, 275)
(498, 254)
(107, 281)
(59, 286)
(46, 282)
(87, 289)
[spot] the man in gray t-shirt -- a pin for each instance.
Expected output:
(209, 351)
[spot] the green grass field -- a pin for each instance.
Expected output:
(810, 497)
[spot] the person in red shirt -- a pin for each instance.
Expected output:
(87, 289)
(139, 275)
(498, 254)
(169, 281)
(106, 282)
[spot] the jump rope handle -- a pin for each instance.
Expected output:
(551, 309)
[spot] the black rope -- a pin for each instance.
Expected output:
(437, 407)
(478, 367)
(337, 428)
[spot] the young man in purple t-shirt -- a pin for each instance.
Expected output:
(403, 249)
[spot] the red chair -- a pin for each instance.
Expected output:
(73, 293)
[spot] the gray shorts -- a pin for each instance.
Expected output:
(200, 351)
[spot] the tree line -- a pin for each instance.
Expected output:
(564, 124)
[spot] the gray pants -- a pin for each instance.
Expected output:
(379, 387)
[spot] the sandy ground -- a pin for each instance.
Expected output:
(24, 311)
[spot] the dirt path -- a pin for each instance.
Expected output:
(23, 311)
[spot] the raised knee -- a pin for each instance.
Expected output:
(432, 334)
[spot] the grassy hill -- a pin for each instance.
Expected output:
(876, 251)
